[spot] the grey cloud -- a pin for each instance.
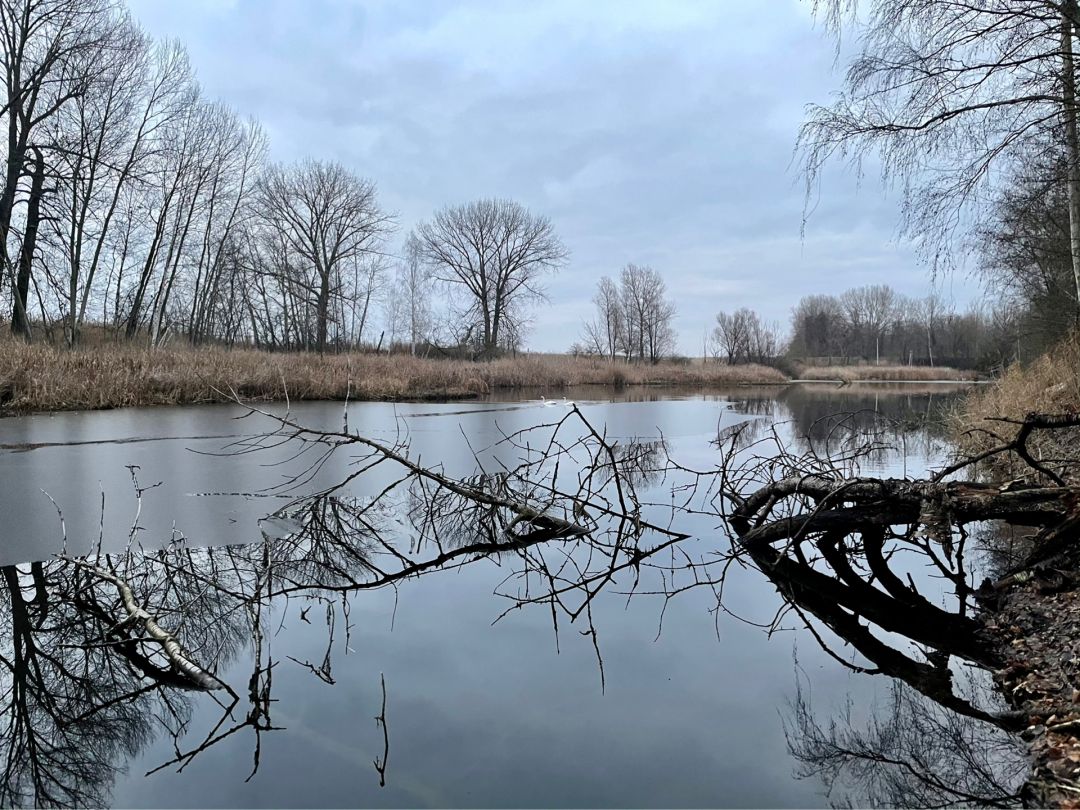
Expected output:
(649, 132)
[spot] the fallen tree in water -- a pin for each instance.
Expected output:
(878, 569)
(843, 549)
(831, 542)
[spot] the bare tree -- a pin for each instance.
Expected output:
(731, 335)
(96, 143)
(410, 295)
(930, 311)
(234, 169)
(328, 220)
(1025, 254)
(609, 317)
(603, 335)
(646, 332)
(743, 337)
(870, 311)
(942, 92)
(164, 95)
(494, 253)
(50, 50)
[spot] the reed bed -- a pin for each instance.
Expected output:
(1050, 384)
(39, 377)
(884, 373)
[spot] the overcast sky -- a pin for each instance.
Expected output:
(657, 132)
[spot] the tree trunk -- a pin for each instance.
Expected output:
(323, 310)
(20, 320)
(1072, 140)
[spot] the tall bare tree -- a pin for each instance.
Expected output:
(603, 334)
(50, 51)
(871, 310)
(409, 305)
(329, 220)
(944, 92)
(647, 314)
(494, 253)
(743, 337)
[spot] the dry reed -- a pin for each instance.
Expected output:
(39, 377)
(884, 373)
(1050, 384)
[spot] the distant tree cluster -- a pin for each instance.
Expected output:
(131, 201)
(743, 337)
(875, 323)
(634, 318)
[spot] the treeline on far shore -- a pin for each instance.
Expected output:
(872, 324)
(875, 325)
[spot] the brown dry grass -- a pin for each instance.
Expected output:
(1051, 384)
(42, 378)
(884, 373)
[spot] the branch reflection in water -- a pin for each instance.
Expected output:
(109, 650)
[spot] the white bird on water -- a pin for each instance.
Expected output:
(547, 403)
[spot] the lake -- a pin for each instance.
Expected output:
(668, 697)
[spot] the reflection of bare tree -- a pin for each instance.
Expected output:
(107, 648)
(100, 644)
(841, 549)
(913, 754)
(75, 689)
(836, 547)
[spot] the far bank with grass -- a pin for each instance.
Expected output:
(882, 373)
(1048, 385)
(44, 378)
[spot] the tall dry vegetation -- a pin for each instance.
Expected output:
(883, 373)
(1050, 384)
(35, 377)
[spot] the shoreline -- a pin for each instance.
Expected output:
(873, 381)
(37, 378)
(1034, 613)
(465, 396)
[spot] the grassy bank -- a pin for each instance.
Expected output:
(883, 373)
(1051, 384)
(1032, 616)
(43, 378)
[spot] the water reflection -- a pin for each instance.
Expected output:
(104, 650)
(871, 424)
(844, 550)
(571, 517)
(911, 753)
(76, 687)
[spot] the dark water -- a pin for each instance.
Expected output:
(694, 705)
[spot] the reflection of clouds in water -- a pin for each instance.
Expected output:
(319, 551)
(880, 423)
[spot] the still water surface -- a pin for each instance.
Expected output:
(692, 711)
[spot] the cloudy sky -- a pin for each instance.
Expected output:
(650, 132)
